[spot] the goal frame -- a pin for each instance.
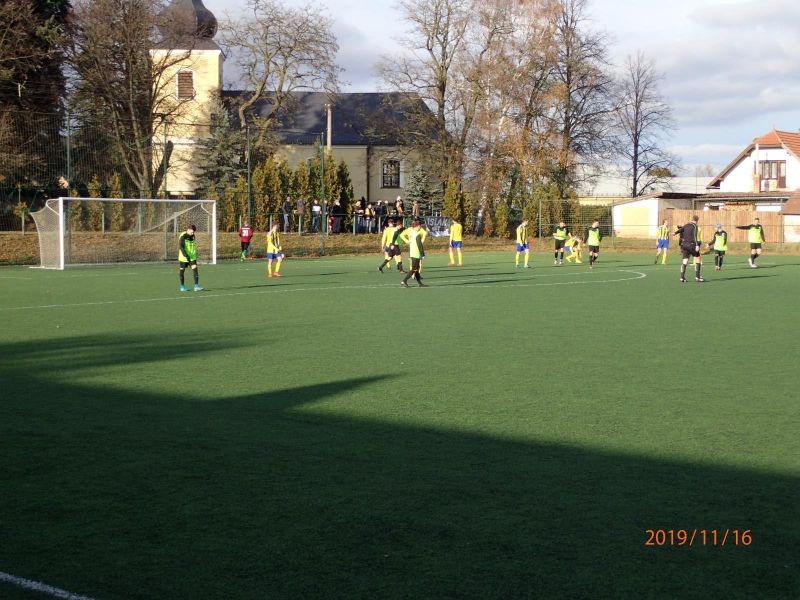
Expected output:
(62, 225)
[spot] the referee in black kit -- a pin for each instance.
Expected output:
(690, 246)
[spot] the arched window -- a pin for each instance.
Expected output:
(185, 85)
(390, 173)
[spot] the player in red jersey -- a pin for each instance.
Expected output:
(245, 235)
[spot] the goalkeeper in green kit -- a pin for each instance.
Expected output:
(187, 257)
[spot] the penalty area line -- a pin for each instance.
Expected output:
(42, 588)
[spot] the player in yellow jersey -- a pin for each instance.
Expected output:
(522, 243)
(456, 239)
(274, 252)
(662, 242)
(574, 248)
(386, 244)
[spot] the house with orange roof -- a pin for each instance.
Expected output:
(770, 164)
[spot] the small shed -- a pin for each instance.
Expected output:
(640, 217)
(791, 219)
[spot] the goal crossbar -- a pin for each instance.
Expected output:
(90, 231)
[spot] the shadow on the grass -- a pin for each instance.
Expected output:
(117, 493)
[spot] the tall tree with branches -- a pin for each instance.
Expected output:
(277, 50)
(123, 82)
(645, 119)
(582, 114)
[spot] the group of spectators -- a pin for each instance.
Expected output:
(367, 216)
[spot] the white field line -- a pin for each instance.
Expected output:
(42, 588)
(202, 295)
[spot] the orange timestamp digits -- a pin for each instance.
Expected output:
(697, 537)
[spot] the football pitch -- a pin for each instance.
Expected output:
(553, 432)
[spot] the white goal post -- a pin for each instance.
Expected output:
(97, 231)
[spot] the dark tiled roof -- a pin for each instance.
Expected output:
(358, 119)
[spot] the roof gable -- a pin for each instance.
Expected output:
(788, 140)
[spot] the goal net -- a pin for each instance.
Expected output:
(91, 231)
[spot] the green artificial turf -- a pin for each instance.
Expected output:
(503, 433)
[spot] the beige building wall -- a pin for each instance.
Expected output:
(187, 120)
(365, 165)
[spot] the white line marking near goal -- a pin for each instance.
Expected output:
(42, 588)
(10, 277)
(478, 284)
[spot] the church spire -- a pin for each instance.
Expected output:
(187, 20)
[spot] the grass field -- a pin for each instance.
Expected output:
(500, 434)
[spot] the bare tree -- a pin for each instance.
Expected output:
(123, 83)
(644, 119)
(434, 43)
(582, 114)
(278, 50)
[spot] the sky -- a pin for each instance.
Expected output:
(731, 67)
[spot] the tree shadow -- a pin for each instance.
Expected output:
(119, 493)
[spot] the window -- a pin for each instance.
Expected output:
(773, 170)
(391, 174)
(185, 85)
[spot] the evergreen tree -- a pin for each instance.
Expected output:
(300, 189)
(345, 186)
(267, 191)
(418, 186)
(220, 154)
(95, 210)
(501, 218)
(452, 200)
(116, 210)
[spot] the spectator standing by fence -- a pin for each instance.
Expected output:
(360, 210)
(399, 206)
(380, 211)
(369, 217)
(286, 209)
(316, 211)
(415, 209)
(337, 214)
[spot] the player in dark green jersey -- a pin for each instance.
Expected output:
(187, 257)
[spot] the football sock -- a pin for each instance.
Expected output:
(720, 261)
(269, 267)
(400, 266)
(407, 277)
(697, 270)
(516, 260)
(196, 276)
(561, 255)
(181, 271)
(664, 259)
(683, 270)
(555, 254)
(451, 255)
(527, 257)
(755, 256)
(278, 266)
(384, 263)
(460, 261)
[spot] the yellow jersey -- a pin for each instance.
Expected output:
(273, 242)
(414, 238)
(522, 234)
(456, 231)
(388, 235)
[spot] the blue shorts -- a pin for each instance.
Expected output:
(274, 255)
(663, 244)
(522, 247)
(455, 244)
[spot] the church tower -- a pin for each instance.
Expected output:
(190, 63)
